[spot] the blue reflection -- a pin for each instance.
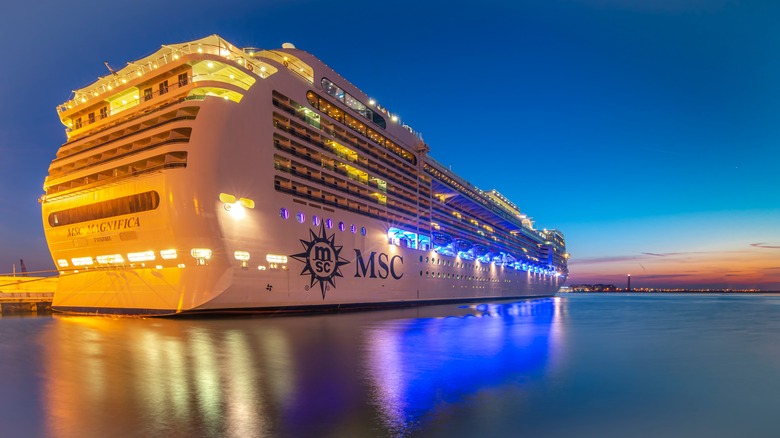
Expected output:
(416, 365)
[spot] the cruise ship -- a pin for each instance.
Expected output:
(211, 178)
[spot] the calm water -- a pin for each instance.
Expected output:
(573, 366)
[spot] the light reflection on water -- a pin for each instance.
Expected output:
(416, 365)
(577, 365)
(376, 373)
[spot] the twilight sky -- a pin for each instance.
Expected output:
(646, 130)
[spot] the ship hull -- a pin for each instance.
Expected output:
(222, 181)
(370, 273)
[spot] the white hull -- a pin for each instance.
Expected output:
(221, 287)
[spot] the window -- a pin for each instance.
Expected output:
(315, 220)
(329, 223)
(363, 231)
(353, 228)
(103, 112)
(101, 210)
(147, 94)
(337, 114)
(301, 217)
(77, 125)
(335, 91)
(91, 117)
(332, 89)
(283, 213)
(183, 80)
(163, 87)
(342, 226)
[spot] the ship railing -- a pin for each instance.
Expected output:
(147, 65)
(442, 168)
(133, 102)
(292, 64)
(486, 201)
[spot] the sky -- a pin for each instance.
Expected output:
(646, 130)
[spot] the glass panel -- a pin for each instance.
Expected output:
(333, 112)
(105, 209)
(356, 105)
(332, 89)
(312, 98)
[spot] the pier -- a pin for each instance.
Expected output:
(26, 294)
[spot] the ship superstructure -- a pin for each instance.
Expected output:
(206, 177)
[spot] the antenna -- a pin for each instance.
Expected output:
(113, 72)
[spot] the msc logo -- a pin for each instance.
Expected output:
(322, 259)
(386, 266)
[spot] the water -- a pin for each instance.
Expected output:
(573, 366)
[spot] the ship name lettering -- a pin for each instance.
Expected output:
(102, 227)
(385, 265)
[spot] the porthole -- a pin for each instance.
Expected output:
(353, 228)
(283, 213)
(363, 231)
(342, 226)
(301, 217)
(315, 220)
(329, 223)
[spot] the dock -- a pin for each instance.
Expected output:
(26, 294)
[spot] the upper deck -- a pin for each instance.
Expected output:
(173, 71)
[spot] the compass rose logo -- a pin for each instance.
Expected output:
(321, 258)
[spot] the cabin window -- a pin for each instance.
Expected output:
(183, 80)
(147, 94)
(163, 87)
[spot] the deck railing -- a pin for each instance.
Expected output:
(172, 54)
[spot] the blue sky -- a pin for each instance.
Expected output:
(636, 127)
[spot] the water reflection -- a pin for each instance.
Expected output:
(419, 366)
(385, 373)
